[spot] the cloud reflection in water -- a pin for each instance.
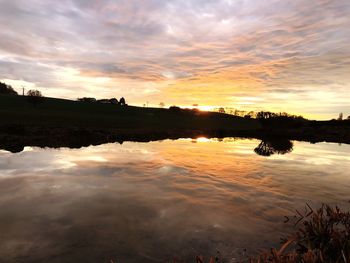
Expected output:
(144, 202)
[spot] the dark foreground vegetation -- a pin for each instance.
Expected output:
(7, 89)
(34, 120)
(321, 235)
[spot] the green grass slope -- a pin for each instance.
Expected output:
(54, 112)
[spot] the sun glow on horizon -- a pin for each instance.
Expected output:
(206, 108)
(249, 56)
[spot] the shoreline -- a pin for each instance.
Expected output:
(14, 138)
(59, 123)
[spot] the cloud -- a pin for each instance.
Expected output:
(205, 49)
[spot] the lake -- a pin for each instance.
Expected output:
(149, 202)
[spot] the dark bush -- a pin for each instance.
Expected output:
(35, 97)
(122, 102)
(7, 89)
(323, 235)
(280, 120)
(113, 101)
(272, 146)
(87, 99)
(174, 108)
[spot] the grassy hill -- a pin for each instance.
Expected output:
(54, 112)
(66, 123)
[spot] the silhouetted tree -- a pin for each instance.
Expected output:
(340, 118)
(264, 149)
(263, 115)
(240, 113)
(7, 89)
(250, 114)
(162, 104)
(34, 97)
(280, 120)
(221, 110)
(113, 101)
(270, 147)
(281, 146)
(122, 102)
(174, 108)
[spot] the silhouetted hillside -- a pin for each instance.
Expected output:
(53, 112)
(65, 123)
(7, 89)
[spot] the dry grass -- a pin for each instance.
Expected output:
(322, 235)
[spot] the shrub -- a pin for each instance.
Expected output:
(174, 108)
(34, 97)
(323, 236)
(87, 99)
(7, 89)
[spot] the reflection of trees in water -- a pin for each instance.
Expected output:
(270, 147)
(13, 148)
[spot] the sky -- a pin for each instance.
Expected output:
(291, 56)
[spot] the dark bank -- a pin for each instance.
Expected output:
(51, 122)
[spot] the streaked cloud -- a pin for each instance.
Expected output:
(293, 55)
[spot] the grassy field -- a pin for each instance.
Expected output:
(54, 112)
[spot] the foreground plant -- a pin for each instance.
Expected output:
(322, 236)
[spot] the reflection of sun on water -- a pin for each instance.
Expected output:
(28, 149)
(211, 194)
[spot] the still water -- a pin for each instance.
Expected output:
(149, 202)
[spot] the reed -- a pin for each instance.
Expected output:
(322, 235)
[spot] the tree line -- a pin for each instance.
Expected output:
(120, 102)
(35, 97)
(7, 89)
(266, 117)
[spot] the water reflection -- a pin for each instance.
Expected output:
(146, 202)
(265, 148)
(270, 147)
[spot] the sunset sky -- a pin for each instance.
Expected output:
(281, 55)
